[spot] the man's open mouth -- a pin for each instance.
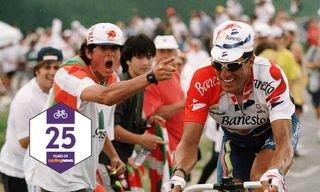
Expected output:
(108, 64)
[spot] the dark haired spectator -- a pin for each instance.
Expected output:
(94, 91)
(136, 59)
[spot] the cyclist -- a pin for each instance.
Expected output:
(249, 97)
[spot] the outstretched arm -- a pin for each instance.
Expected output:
(120, 91)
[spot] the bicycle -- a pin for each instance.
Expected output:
(227, 184)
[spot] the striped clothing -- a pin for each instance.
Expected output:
(69, 82)
(246, 126)
(160, 161)
(265, 99)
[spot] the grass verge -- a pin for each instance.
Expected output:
(3, 125)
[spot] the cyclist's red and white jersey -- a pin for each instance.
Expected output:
(265, 99)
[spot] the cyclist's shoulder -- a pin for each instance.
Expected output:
(266, 70)
(205, 74)
(205, 70)
(204, 81)
(261, 64)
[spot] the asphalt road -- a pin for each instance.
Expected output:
(304, 174)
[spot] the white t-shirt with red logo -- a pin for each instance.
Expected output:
(265, 99)
(72, 80)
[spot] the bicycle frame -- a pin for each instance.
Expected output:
(227, 184)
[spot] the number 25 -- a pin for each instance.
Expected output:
(65, 135)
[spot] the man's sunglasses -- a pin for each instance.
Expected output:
(233, 66)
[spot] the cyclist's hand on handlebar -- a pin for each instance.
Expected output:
(273, 181)
(268, 188)
(168, 187)
(177, 189)
(176, 184)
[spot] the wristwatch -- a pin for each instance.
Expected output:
(152, 78)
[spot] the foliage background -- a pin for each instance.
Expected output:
(28, 14)
(3, 125)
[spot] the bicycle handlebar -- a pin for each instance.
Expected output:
(252, 184)
(199, 187)
(224, 186)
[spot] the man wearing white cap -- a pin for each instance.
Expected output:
(166, 99)
(88, 83)
(249, 97)
(27, 103)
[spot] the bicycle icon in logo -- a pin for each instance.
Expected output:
(60, 113)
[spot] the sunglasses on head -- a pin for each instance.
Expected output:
(233, 66)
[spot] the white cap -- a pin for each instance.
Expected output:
(165, 42)
(231, 39)
(276, 31)
(262, 29)
(290, 26)
(105, 34)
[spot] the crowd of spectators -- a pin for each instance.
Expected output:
(281, 37)
(20, 56)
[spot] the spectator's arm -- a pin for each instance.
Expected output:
(24, 142)
(167, 111)
(146, 140)
(120, 91)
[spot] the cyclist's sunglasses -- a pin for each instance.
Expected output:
(233, 66)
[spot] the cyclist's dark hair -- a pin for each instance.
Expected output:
(83, 48)
(139, 45)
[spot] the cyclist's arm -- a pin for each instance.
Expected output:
(283, 156)
(185, 156)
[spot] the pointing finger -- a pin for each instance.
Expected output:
(171, 68)
(168, 60)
